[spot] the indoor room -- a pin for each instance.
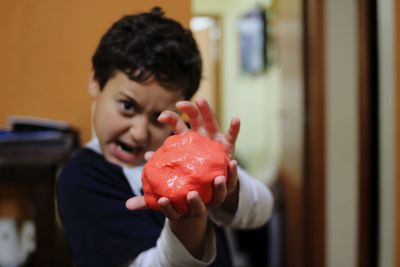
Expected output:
(313, 83)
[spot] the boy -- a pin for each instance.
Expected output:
(145, 67)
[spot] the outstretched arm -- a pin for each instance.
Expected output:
(183, 233)
(203, 121)
(256, 201)
(191, 229)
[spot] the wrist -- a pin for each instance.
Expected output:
(191, 233)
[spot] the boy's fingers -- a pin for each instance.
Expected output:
(135, 203)
(168, 210)
(220, 191)
(233, 131)
(190, 109)
(209, 120)
(171, 118)
(196, 205)
(232, 174)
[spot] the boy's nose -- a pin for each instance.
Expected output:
(139, 130)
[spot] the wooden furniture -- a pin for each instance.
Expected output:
(36, 168)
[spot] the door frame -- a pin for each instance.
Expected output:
(397, 131)
(314, 151)
(368, 146)
(303, 131)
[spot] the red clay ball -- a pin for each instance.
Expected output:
(185, 162)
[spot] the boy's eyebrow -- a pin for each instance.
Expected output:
(139, 107)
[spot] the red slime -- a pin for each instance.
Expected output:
(185, 162)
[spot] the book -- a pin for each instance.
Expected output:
(33, 132)
(27, 123)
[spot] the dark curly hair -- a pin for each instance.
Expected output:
(148, 44)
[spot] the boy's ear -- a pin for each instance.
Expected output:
(93, 86)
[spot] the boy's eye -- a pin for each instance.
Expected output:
(127, 106)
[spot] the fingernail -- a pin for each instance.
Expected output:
(219, 180)
(162, 116)
(131, 203)
(127, 204)
(201, 99)
(192, 195)
(179, 103)
(162, 201)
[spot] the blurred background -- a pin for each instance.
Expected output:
(314, 82)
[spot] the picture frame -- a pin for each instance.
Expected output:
(252, 37)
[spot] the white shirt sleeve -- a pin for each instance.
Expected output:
(254, 207)
(170, 252)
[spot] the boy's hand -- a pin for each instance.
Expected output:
(203, 121)
(196, 206)
(226, 193)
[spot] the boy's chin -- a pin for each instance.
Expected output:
(124, 159)
(124, 163)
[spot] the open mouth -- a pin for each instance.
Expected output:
(129, 149)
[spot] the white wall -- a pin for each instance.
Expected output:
(386, 134)
(255, 99)
(341, 134)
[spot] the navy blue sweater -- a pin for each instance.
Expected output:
(91, 195)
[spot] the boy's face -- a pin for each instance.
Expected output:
(125, 117)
